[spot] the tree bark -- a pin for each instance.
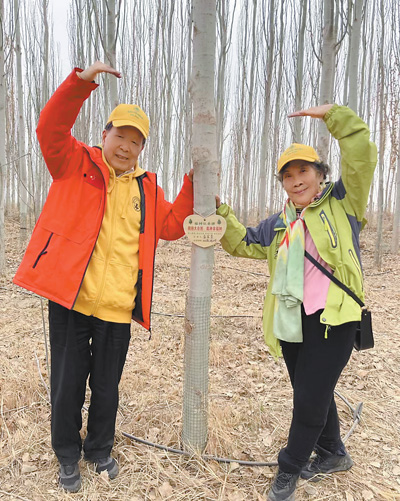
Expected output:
(197, 325)
(2, 140)
(327, 73)
(21, 162)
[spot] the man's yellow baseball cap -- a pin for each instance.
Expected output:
(297, 151)
(130, 114)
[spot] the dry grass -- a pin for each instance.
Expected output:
(249, 404)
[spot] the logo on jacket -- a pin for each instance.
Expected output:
(136, 203)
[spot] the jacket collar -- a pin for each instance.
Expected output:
(280, 225)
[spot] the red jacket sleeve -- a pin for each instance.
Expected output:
(59, 147)
(175, 213)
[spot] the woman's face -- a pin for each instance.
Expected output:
(301, 181)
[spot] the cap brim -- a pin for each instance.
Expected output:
(300, 157)
(124, 123)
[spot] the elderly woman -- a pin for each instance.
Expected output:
(306, 316)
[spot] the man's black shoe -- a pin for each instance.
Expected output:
(326, 462)
(283, 487)
(107, 464)
(70, 477)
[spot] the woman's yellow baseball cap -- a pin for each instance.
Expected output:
(297, 151)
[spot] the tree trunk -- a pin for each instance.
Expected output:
(21, 162)
(2, 140)
(297, 136)
(111, 51)
(197, 325)
(354, 55)
(275, 145)
(379, 228)
(246, 171)
(327, 74)
(265, 136)
(396, 219)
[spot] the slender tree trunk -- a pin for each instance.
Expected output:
(396, 219)
(354, 55)
(111, 51)
(378, 242)
(197, 325)
(246, 171)
(297, 136)
(327, 73)
(168, 95)
(265, 136)
(23, 178)
(275, 145)
(2, 140)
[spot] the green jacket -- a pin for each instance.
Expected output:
(334, 222)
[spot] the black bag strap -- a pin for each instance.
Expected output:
(334, 279)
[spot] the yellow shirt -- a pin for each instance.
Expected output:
(108, 290)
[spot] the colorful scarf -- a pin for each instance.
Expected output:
(288, 282)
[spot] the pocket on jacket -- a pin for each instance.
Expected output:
(329, 229)
(43, 251)
(120, 286)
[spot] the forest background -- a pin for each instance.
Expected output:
(272, 57)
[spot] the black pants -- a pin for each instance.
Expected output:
(83, 346)
(314, 368)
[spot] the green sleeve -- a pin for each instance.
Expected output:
(233, 240)
(358, 157)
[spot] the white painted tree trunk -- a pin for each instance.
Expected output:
(204, 154)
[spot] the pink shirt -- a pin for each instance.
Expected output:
(316, 284)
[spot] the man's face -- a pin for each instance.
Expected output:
(122, 147)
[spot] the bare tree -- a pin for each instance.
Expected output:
(300, 72)
(328, 72)
(197, 326)
(2, 139)
(21, 162)
(354, 55)
(382, 140)
(269, 36)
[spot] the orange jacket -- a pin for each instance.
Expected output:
(64, 237)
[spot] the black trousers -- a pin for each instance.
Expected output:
(314, 368)
(83, 346)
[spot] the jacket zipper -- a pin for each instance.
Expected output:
(43, 251)
(107, 256)
(142, 205)
(329, 229)
(355, 261)
(154, 257)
